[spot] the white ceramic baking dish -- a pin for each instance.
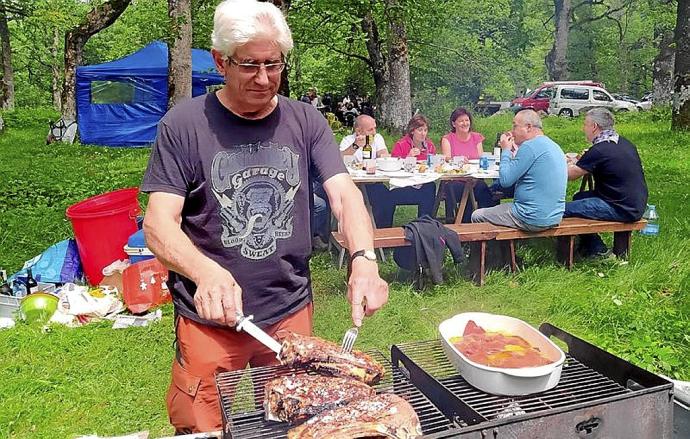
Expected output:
(499, 380)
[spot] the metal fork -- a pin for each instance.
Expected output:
(349, 340)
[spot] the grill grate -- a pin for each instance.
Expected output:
(578, 384)
(242, 393)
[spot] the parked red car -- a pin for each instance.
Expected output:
(538, 100)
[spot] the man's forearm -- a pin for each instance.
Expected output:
(354, 220)
(175, 250)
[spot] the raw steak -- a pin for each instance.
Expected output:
(325, 357)
(295, 398)
(386, 415)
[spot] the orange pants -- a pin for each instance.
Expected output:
(203, 351)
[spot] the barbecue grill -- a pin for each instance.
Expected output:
(599, 395)
(242, 394)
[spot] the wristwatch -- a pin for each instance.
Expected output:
(354, 146)
(368, 254)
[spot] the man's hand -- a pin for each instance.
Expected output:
(507, 141)
(366, 291)
(360, 140)
(218, 297)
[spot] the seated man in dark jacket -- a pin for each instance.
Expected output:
(620, 190)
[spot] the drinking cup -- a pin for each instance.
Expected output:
(370, 166)
(571, 157)
(349, 160)
(410, 164)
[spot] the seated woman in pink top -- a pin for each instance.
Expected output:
(416, 142)
(462, 141)
(383, 201)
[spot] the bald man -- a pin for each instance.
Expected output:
(352, 144)
(538, 171)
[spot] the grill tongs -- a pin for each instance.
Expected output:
(244, 323)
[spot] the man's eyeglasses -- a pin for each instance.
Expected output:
(250, 68)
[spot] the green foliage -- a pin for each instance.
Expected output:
(30, 117)
(70, 382)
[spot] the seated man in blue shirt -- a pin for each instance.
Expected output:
(620, 190)
(538, 171)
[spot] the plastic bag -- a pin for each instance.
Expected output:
(144, 286)
(59, 263)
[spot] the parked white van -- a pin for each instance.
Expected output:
(569, 100)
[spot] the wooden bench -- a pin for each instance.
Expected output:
(566, 232)
(480, 233)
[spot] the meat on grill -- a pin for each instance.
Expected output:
(325, 357)
(385, 415)
(295, 398)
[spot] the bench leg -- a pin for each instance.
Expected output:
(621, 243)
(478, 261)
(513, 259)
(565, 251)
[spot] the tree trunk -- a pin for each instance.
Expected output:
(681, 79)
(377, 62)
(396, 108)
(180, 51)
(96, 20)
(662, 75)
(7, 72)
(391, 72)
(55, 70)
(556, 61)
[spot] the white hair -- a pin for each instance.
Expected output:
(237, 22)
(530, 117)
(602, 117)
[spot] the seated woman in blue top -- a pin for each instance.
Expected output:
(415, 143)
(538, 171)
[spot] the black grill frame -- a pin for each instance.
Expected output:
(590, 377)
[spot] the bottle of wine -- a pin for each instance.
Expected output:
(367, 152)
(31, 284)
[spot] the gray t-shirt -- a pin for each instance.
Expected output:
(247, 189)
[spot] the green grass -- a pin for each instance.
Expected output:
(67, 382)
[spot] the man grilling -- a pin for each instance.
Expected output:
(230, 180)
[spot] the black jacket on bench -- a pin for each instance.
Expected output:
(429, 239)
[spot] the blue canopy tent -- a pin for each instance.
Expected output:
(119, 103)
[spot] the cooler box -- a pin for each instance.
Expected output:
(9, 305)
(136, 248)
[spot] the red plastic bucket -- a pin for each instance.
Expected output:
(102, 225)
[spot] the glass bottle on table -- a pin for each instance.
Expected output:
(367, 151)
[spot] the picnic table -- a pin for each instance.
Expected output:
(401, 178)
(396, 179)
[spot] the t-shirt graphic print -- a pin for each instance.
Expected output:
(255, 186)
